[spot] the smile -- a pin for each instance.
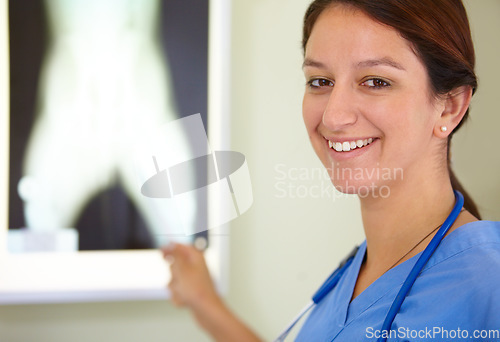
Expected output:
(347, 146)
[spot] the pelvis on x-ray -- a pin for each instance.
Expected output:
(104, 82)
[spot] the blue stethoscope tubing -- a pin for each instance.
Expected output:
(421, 262)
(334, 278)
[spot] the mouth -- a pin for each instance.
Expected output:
(349, 145)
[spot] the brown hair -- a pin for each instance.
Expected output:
(440, 35)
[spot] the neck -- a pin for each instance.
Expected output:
(395, 224)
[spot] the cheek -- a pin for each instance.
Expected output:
(404, 116)
(417, 119)
(312, 112)
(407, 127)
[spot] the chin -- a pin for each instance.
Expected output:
(362, 189)
(347, 189)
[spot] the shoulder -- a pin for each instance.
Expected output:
(470, 253)
(460, 282)
(469, 244)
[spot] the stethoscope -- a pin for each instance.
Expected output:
(334, 278)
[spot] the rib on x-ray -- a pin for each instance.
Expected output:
(104, 79)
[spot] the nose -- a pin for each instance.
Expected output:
(340, 110)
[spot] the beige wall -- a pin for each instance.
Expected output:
(476, 159)
(282, 248)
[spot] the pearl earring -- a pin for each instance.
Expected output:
(444, 129)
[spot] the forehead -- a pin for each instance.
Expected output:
(344, 33)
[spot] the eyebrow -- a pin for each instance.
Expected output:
(363, 64)
(382, 61)
(312, 63)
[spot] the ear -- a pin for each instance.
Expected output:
(456, 104)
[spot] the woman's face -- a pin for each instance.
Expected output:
(368, 108)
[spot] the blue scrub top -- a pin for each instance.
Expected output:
(455, 298)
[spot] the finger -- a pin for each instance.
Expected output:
(169, 259)
(171, 286)
(174, 297)
(176, 268)
(171, 252)
(177, 250)
(189, 253)
(169, 249)
(186, 253)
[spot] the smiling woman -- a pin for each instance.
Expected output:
(428, 46)
(365, 98)
(388, 82)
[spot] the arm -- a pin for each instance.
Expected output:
(192, 287)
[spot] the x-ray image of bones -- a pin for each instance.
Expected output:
(104, 79)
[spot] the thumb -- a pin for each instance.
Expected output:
(180, 252)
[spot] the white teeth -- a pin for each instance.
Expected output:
(347, 146)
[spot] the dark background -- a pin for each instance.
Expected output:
(110, 220)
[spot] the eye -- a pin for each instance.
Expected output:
(317, 83)
(376, 83)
